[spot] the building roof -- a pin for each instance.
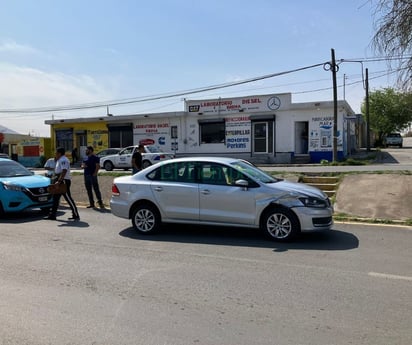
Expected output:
(7, 130)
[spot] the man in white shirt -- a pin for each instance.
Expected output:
(62, 172)
(50, 165)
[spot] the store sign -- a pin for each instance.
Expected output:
(151, 128)
(238, 104)
(321, 134)
(238, 133)
(152, 133)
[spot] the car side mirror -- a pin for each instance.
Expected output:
(242, 183)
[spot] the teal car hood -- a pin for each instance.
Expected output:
(33, 181)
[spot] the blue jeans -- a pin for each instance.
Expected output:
(91, 184)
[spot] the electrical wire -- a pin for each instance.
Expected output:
(154, 97)
(127, 101)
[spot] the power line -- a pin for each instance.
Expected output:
(380, 75)
(126, 101)
(154, 97)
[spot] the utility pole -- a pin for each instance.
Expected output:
(368, 137)
(344, 87)
(334, 69)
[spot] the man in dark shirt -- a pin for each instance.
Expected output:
(91, 166)
(137, 159)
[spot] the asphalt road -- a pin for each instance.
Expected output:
(97, 282)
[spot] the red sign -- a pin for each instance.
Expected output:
(146, 142)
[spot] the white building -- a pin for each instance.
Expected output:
(261, 128)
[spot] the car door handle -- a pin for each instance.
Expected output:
(205, 191)
(158, 189)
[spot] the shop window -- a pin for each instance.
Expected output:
(120, 136)
(212, 132)
(64, 138)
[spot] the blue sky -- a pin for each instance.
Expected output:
(55, 53)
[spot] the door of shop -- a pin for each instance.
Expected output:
(262, 137)
(81, 142)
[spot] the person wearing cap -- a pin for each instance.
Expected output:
(91, 166)
(62, 175)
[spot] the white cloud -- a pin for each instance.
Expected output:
(22, 88)
(10, 46)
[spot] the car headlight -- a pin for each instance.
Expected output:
(13, 187)
(313, 202)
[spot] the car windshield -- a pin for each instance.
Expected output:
(13, 169)
(254, 172)
(394, 135)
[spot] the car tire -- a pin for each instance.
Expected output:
(146, 219)
(1, 211)
(108, 166)
(280, 224)
(146, 164)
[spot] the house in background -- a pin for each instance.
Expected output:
(28, 150)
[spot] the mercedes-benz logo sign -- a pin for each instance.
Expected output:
(274, 103)
(41, 190)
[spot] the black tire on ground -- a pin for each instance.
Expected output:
(1, 211)
(280, 224)
(146, 219)
(108, 166)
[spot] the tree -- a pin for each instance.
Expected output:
(394, 36)
(389, 111)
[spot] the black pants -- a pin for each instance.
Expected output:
(68, 197)
(91, 184)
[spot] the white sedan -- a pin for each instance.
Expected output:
(123, 159)
(219, 191)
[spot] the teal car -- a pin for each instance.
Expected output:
(20, 189)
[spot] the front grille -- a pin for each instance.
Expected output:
(39, 192)
(324, 221)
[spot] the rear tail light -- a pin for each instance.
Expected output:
(162, 156)
(115, 190)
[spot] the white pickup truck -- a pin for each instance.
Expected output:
(123, 159)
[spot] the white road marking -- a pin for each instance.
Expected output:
(389, 276)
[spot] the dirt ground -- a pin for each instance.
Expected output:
(79, 193)
(378, 196)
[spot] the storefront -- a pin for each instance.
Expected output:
(262, 129)
(78, 134)
(27, 150)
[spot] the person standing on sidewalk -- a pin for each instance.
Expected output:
(137, 160)
(91, 166)
(62, 175)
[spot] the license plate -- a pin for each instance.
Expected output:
(43, 198)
